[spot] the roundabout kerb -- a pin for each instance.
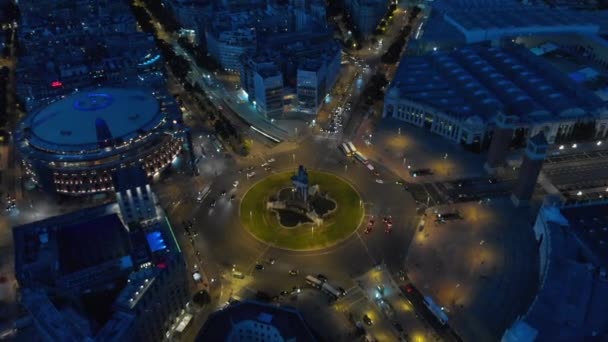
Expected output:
(263, 224)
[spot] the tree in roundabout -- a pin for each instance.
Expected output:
(303, 211)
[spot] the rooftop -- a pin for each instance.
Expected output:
(287, 321)
(87, 118)
(571, 302)
(590, 224)
(482, 81)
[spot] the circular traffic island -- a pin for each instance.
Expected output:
(284, 212)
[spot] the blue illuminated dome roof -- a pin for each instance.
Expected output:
(90, 119)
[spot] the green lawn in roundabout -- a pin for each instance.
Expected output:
(264, 224)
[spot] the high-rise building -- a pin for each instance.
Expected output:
(108, 273)
(366, 14)
(309, 63)
(268, 84)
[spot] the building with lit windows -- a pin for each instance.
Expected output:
(299, 65)
(101, 273)
(77, 144)
(366, 14)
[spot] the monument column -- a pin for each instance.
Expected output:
(534, 156)
(499, 147)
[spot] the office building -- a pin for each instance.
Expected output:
(308, 62)
(366, 14)
(75, 145)
(458, 94)
(93, 275)
(571, 301)
(229, 36)
(254, 321)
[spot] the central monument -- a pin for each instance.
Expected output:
(302, 203)
(300, 184)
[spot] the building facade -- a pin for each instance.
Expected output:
(366, 14)
(458, 94)
(76, 145)
(309, 64)
(125, 281)
(573, 282)
(254, 321)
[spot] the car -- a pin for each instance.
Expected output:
(271, 261)
(293, 272)
(223, 193)
(367, 320)
(232, 197)
(376, 173)
(368, 230)
(492, 180)
(322, 277)
(341, 290)
(212, 204)
(284, 293)
(259, 267)
(399, 182)
(236, 183)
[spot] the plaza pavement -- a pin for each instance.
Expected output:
(482, 268)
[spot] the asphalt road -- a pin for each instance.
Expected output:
(223, 243)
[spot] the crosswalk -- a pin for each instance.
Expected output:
(353, 296)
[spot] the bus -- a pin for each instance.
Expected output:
(435, 310)
(360, 157)
(330, 290)
(183, 324)
(314, 282)
(347, 151)
(351, 146)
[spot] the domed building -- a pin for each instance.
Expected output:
(76, 144)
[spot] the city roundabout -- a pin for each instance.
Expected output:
(301, 211)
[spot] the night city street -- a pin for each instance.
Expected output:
(304, 170)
